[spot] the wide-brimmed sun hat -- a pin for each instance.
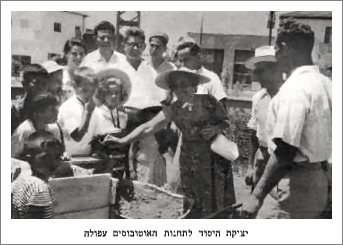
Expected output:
(262, 54)
(169, 79)
(109, 76)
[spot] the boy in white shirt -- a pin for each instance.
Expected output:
(75, 113)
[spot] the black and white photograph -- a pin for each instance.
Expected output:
(172, 116)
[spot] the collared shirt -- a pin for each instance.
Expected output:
(95, 61)
(259, 112)
(213, 87)
(164, 66)
(28, 191)
(301, 115)
(70, 117)
(23, 132)
(105, 121)
(144, 91)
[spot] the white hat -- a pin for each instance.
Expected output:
(262, 54)
(51, 66)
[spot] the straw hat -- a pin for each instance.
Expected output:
(110, 76)
(166, 79)
(262, 54)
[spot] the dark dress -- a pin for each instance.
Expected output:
(205, 176)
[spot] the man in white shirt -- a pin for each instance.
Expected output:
(299, 131)
(105, 55)
(157, 47)
(144, 93)
(267, 74)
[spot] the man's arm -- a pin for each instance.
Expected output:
(278, 165)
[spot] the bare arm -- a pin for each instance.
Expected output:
(146, 129)
(78, 133)
(278, 165)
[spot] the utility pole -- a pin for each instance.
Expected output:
(201, 29)
(121, 22)
(270, 25)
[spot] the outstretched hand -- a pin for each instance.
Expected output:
(111, 139)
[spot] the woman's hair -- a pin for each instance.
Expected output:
(103, 89)
(39, 103)
(104, 26)
(296, 35)
(67, 47)
(134, 32)
(72, 42)
(81, 74)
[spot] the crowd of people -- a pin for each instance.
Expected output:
(165, 117)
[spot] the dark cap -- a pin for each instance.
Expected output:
(33, 71)
(160, 35)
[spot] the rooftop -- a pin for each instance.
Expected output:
(308, 15)
(76, 13)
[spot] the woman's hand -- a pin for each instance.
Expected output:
(208, 132)
(111, 139)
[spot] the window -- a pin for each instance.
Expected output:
(18, 62)
(328, 34)
(78, 32)
(57, 27)
(24, 23)
(240, 72)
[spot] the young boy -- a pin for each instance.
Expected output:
(75, 113)
(32, 197)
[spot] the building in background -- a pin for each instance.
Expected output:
(225, 54)
(40, 35)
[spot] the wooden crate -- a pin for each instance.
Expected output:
(85, 197)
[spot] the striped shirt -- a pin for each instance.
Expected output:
(29, 194)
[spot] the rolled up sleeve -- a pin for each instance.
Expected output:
(290, 115)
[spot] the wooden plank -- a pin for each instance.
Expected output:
(75, 194)
(101, 213)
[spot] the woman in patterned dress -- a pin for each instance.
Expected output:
(200, 118)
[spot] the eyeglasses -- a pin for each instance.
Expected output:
(138, 45)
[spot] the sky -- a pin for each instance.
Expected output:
(177, 24)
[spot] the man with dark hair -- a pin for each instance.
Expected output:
(142, 74)
(157, 47)
(105, 54)
(299, 131)
(144, 95)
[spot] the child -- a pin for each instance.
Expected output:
(111, 117)
(32, 197)
(41, 116)
(76, 112)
